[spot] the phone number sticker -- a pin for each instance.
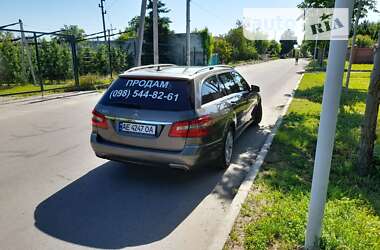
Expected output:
(155, 95)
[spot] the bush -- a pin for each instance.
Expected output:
(364, 41)
(90, 82)
(208, 42)
(224, 50)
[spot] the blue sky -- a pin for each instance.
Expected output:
(49, 15)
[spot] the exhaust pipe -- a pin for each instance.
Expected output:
(179, 166)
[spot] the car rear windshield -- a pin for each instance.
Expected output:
(156, 94)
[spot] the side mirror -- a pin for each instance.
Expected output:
(255, 88)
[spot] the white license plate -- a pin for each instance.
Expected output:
(137, 128)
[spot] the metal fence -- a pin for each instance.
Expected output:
(35, 61)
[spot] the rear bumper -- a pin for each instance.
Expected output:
(190, 157)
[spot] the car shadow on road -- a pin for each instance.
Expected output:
(116, 206)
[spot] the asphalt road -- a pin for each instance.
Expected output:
(55, 194)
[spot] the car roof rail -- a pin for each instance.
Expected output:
(211, 67)
(158, 66)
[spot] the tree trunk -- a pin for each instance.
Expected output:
(368, 130)
(321, 53)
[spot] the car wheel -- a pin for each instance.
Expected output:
(228, 146)
(257, 114)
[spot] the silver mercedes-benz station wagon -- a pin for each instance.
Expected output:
(175, 116)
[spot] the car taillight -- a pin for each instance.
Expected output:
(194, 128)
(99, 120)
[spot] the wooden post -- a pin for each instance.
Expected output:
(368, 130)
(155, 33)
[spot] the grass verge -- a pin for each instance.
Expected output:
(314, 66)
(275, 212)
(86, 82)
(30, 87)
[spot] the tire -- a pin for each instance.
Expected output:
(257, 114)
(227, 150)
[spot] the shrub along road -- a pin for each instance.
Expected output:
(55, 194)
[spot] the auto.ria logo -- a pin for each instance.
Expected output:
(303, 24)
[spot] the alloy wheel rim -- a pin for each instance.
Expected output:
(228, 147)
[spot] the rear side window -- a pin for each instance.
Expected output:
(171, 95)
(243, 85)
(229, 83)
(211, 90)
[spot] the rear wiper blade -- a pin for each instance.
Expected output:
(135, 106)
(128, 105)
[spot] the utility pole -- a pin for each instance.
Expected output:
(326, 133)
(38, 63)
(101, 6)
(109, 52)
(357, 17)
(188, 33)
(22, 52)
(73, 45)
(141, 32)
(155, 33)
(24, 43)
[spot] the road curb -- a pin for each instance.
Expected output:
(225, 228)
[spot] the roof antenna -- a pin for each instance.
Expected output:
(158, 68)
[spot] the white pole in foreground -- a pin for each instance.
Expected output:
(326, 133)
(155, 33)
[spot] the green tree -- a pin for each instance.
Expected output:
(224, 49)
(163, 33)
(101, 58)
(288, 40)
(243, 49)
(367, 5)
(73, 30)
(119, 59)
(130, 31)
(55, 60)
(369, 28)
(261, 46)
(87, 60)
(207, 42)
(10, 61)
(274, 48)
(66, 63)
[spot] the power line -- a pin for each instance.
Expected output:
(208, 11)
(32, 31)
(97, 37)
(4, 26)
(35, 36)
(92, 34)
(112, 4)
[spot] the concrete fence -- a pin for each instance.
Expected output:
(175, 48)
(361, 55)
